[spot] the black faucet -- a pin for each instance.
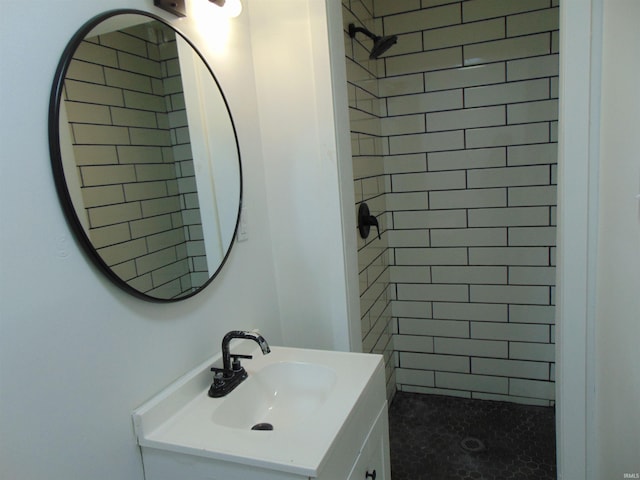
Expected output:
(231, 374)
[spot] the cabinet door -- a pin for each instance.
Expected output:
(373, 462)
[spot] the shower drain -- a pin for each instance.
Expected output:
(473, 445)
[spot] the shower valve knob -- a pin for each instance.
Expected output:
(366, 220)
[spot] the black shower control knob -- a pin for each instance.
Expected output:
(372, 476)
(366, 221)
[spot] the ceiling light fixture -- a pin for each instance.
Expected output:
(232, 8)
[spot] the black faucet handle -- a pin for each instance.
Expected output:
(235, 365)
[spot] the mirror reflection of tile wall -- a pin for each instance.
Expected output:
(467, 101)
(124, 102)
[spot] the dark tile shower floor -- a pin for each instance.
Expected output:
(437, 437)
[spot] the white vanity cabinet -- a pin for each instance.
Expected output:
(373, 463)
(372, 457)
(346, 437)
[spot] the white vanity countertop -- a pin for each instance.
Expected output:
(180, 419)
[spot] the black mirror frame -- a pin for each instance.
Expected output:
(55, 102)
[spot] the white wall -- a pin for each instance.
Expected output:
(76, 354)
(618, 285)
(599, 241)
(305, 182)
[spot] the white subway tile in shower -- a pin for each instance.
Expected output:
(423, 19)
(521, 91)
(464, 34)
(532, 236)
(512, 217)
(403, 124)
(423, 378)
(532, 196)
(509, 331)
(532, 388)
(534, 67)
(482, 312)
(465, 77)
(555, 41)
(412, 343)
(431, 256)
(469, 275)
(425, 102)
(532, 276)
(430, 361)
(403, 85)
(477, 198)
(414, 162)
(407, 201)
(533, 22)
(511, 294)
(436, 328)
(408, 238)
(498, 50)
(471, 347)
(434, 3)
(541, 352)
(476, 383)
(424, 61)
(510, 368)
(407, 43)
(509, 256)
(467, 159)
(419, 309)
(410, 274)
(532, 111)
(429, 181)
(467, 237)
(544, 153)
(510, 135)
(508, 177)
(479, 9)
(466, 118)
(433, 292)
(532, 314)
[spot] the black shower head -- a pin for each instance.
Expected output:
(380, 44)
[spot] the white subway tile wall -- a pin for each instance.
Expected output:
(463, 139)
(124, 102)
(367, 112)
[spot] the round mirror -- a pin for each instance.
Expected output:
(145, 155)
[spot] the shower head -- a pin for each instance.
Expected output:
(380, 44)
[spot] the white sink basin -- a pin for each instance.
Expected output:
(306, 395)
(280, 394)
